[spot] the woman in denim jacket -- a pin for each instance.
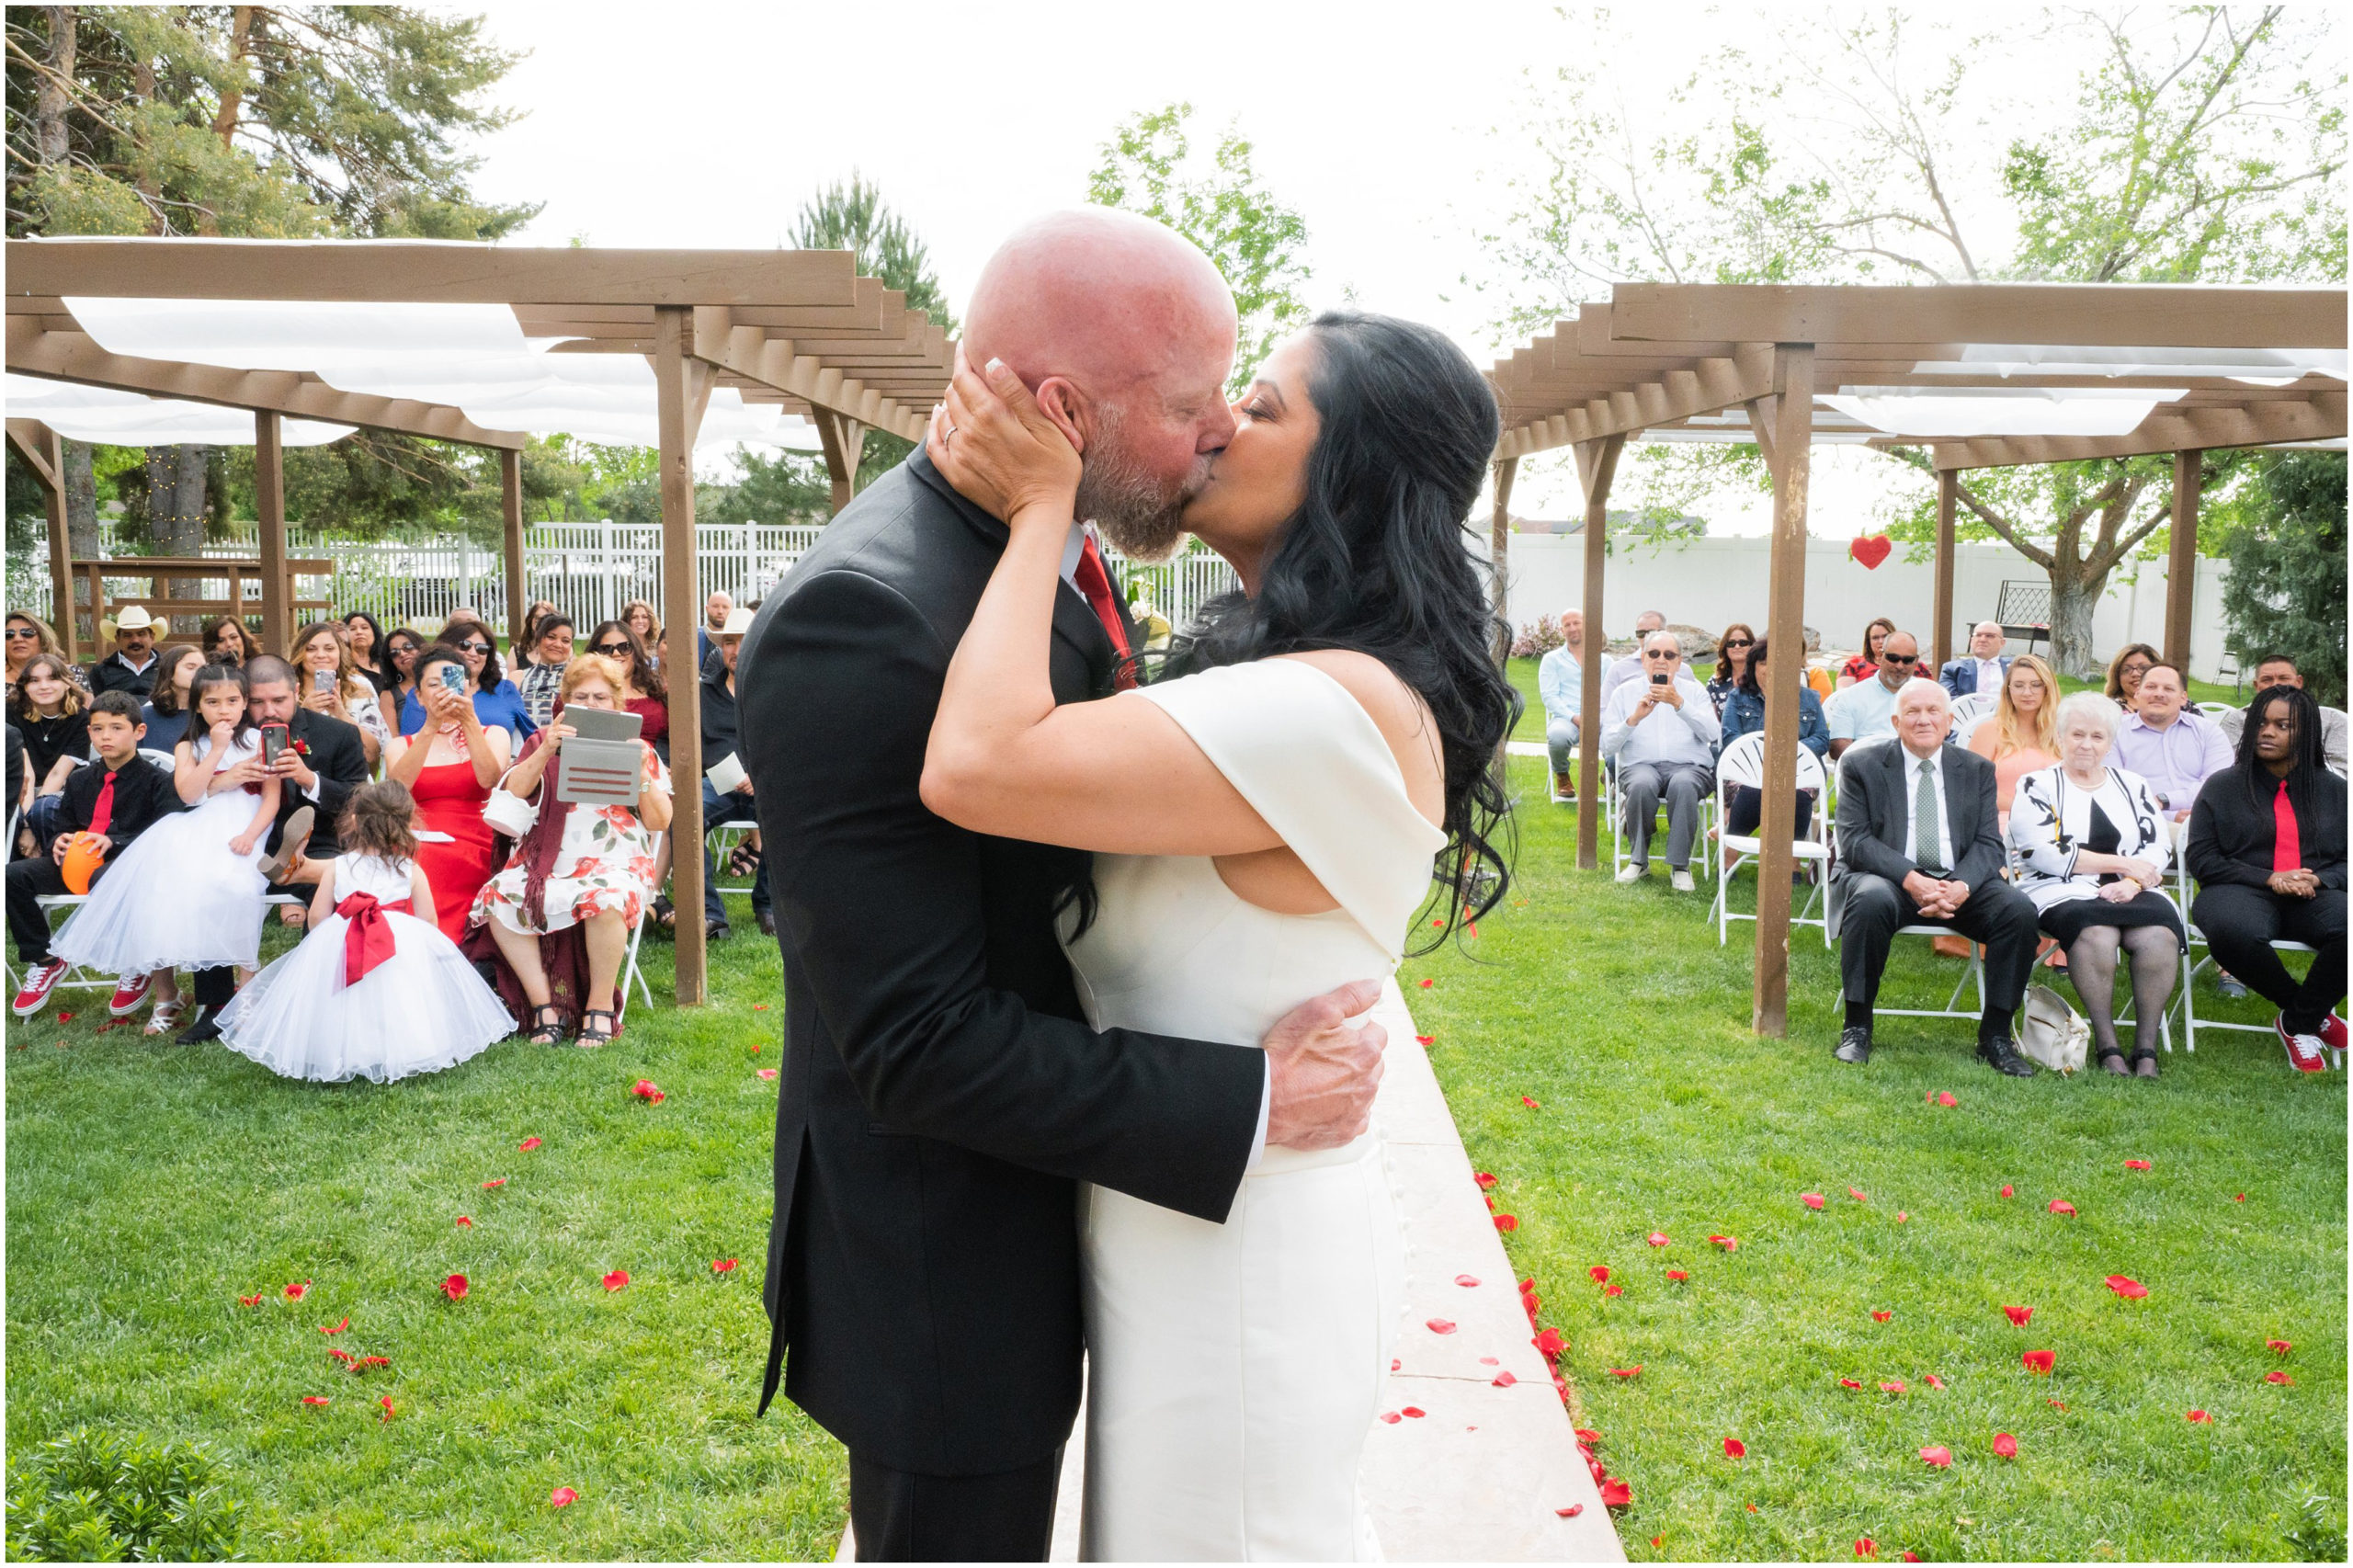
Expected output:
(1743, 711)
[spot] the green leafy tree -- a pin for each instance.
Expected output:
(2286, 590)
(1254, 241)
(2200, 144)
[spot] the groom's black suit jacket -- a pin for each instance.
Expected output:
(941, 1095)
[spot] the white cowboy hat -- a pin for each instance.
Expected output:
(131, 618)
(739, 621)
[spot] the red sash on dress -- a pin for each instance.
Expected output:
(368, 940)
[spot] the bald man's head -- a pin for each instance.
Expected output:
(1125, 333)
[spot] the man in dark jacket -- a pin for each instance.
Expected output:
(735, 803)
(1920, 842)
(942, 1093)
(132, 666)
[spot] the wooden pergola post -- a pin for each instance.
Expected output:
(682, 385)
(510, 500)
(1598, 466)
(1947, 495)
(44, 453)
(843, 440)
(2181, 561)
(1788, 453)
(270, 507)
(1499, 556)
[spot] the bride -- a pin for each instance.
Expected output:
(1266, 818)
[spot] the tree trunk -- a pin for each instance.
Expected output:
(49, 99)
(175, 510)
(81, 512)
(2074, 594)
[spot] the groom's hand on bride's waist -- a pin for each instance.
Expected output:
(1323, 1070)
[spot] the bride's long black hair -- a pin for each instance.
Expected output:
(1375, 561)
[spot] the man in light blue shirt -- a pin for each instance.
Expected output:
(1866, 711)
(1630, 666)
(2172, 746)
(1663, 733)
(1560, 685)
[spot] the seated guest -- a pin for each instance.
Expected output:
(132, 666)
(497, 702)
(2094, 848)
(226, 642)
(166, 712)
(1559, 683)
(576, 882)
(1627, 668)
(1865, 665)
(1864, 710)
(2124, 673)
(29, 635)
(716, 610)
(1918, 844)
(332, 684)
(1981, 668)
(1744, 713)
(719, 741)
(2266, 845)
(401, 648)
(639, 616)
(2022, 736)
(450, 765)
(2280, 669)
(1732, 657)
(551, 651)
(2169, 743)
(1661, 732)
(113, 800)
(366, 641)
(54, 713)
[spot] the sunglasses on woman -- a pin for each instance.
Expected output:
(23, 633)
(611, 650)
(1742, 642)
(474, 647)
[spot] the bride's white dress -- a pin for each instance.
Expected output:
(1234, 1370)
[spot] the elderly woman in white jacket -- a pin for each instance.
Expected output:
(2093, 845)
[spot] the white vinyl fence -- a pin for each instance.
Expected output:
(587, 570)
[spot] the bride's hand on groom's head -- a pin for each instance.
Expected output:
(992, 441)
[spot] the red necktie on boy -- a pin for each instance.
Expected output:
(102, 809)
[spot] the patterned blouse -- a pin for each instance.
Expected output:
(2050, 817)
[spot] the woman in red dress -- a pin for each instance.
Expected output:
(450, 765)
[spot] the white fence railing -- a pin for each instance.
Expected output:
(587, 570)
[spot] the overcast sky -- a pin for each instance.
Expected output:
(1387, 126)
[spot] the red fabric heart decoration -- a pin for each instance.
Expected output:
(1871, 549)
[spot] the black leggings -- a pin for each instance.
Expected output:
(1747, 809)
(2241, 923)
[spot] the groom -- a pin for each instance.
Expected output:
(943, 1096)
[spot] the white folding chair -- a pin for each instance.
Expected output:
(2216, 710)
(1743, 766)
(722, 840)
(636, 933)
(1967, 711)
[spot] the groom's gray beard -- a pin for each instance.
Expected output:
(1140, 513)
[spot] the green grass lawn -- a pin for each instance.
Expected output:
(1615, 1010)
(151, 1186)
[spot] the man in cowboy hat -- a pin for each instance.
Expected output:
(132, 666)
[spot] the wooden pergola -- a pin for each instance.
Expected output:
(2217, 366)
(796, 329)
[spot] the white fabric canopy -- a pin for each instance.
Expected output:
(472, 357)
(128, 419)
(2003, 411)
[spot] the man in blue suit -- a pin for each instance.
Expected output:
(1984, 665)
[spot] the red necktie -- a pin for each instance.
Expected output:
(102, 812)
(2287, 845)
(367, 939)
(1095, 583)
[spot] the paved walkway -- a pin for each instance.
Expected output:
(1482, 1473)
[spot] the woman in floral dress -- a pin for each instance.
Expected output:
(579, 878)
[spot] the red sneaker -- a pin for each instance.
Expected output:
(2333, 1033)
(129, 994)
(2304, 1053)
(39, 983)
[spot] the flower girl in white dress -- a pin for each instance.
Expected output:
(1265, 824)
(188, 891)
(373, 991)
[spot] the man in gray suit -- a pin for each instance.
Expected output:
(1918, 842)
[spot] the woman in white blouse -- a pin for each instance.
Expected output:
(2093, 847)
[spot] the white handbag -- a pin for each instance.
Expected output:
(509, 814)
(2051, 1032)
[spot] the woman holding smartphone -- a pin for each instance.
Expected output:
(333, 684)
(450, 765)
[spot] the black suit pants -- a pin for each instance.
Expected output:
(900, 1517)
(1995, 913)
(30, 879)
(2241, 923)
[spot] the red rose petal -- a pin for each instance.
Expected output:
(1426, 986)
(1485, 1178)
(616, 1279)
(1849, 1383)
(337, 1328)
(1392, 1417)
(1947, 1100)
(1613, 1290)
(2282, 1378)
(2009, 1191)
(1656, 1238)
(1811, 1200)
(1881, 1316)
(1484, 1361)
(2198, 1416)
(562, 1497)
(759, 1007)
(2131, 1290)
(1633, 1372)
(1901, 1216)
(296, 1292)
(1529, 1103)
(1507, 1222)
(366, 1361)
(494, 1181)
(1866, 1547)
(1677, 1274)
(316, 1399)
(2136, 1164)
(1425, 1041)
(722, 1265)
(768, 1072)
(1440, 1325)
(1939, 1456)
(387, 1403)
(1616, 1494)
(1911, 1557)
(1735, 1449)
(468, 1223)
(2278, 1347)
(1858, 1195)
(2021, 1316)
(252, 1300)
(343, 1356)
(2061, 1206)
(1413, 1411)
(1933, 1381)
(527, 1144)
(1550, 1344)
(1504, 1378)
(67, 1018)
(1894, 1385)
(2057, 1406)
(2005, 1445)
(1466, 1281)
(454, 1286)
(1727, 1243)
(1571, 1512)
(2239, 1198)
(2038, 1362)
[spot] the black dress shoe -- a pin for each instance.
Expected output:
(716, 931)
(205, 1025)
(1854, 1044)
(2004, 1058)
(766, 919)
